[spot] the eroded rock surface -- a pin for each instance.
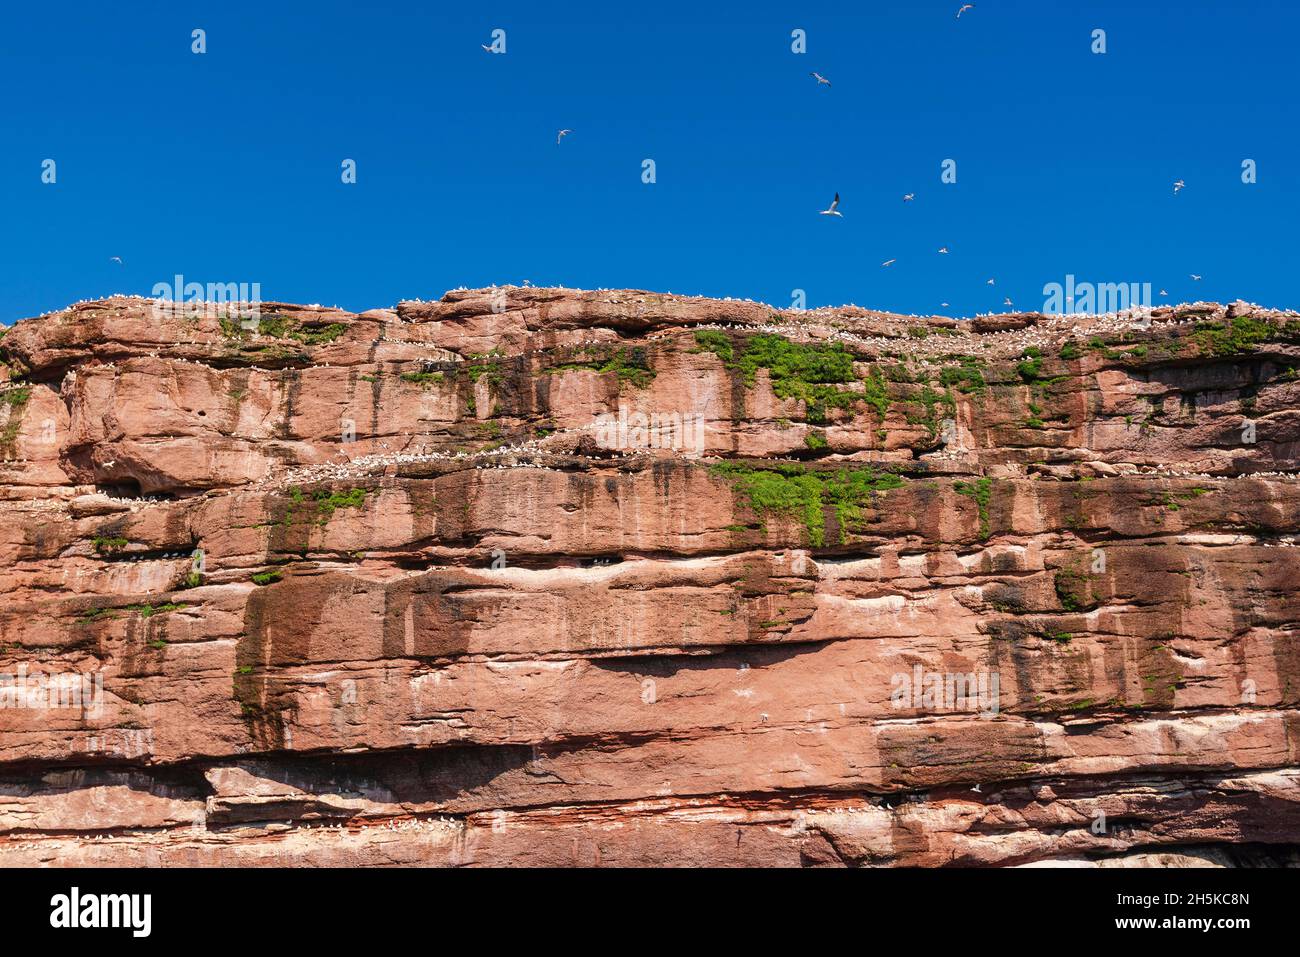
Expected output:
(549, 577)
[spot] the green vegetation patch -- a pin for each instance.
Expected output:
(793, 364)
(715, 341)
(314, 336)
(1241, 334)
(1171, 499)
(144, 611)
(279, 326)
(1072, 590)
(485, 364)
(981, 490)
(967, 378)
(17, 400)
(95, 614)
(325, 502)
(811, 372)
(148, 611)
(1030, 369)
(931, 400)
(422, 378)
(630, 365)
(1098, 345)
(108, 546)
(796, 492)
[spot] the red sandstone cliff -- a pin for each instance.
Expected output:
(538, 576)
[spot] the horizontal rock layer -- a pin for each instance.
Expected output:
(548, 577)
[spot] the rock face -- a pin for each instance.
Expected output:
(549, 577)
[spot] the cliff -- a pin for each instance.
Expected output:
(541, 576)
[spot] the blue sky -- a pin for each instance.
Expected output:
(225, 167)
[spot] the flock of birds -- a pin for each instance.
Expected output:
(833, 209)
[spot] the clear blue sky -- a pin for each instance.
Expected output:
(225, 166)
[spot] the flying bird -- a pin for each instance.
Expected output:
(964, 7)
(820, 79)
(1179, 185)
(889, 262)
(976, 789)
(561, 135)
(486, 47)
(1007, 301)
(115, 259)
(989, 283)
(944, 250)
(833, 210)
(1163, 293)
(1196, 278)
(908, 197)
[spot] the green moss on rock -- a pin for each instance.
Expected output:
(981, 490)
(793, 491)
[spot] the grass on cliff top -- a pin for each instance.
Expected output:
(1241, 334)
(1213, 338)
(795, 492)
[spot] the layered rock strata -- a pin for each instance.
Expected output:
(548, 577)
